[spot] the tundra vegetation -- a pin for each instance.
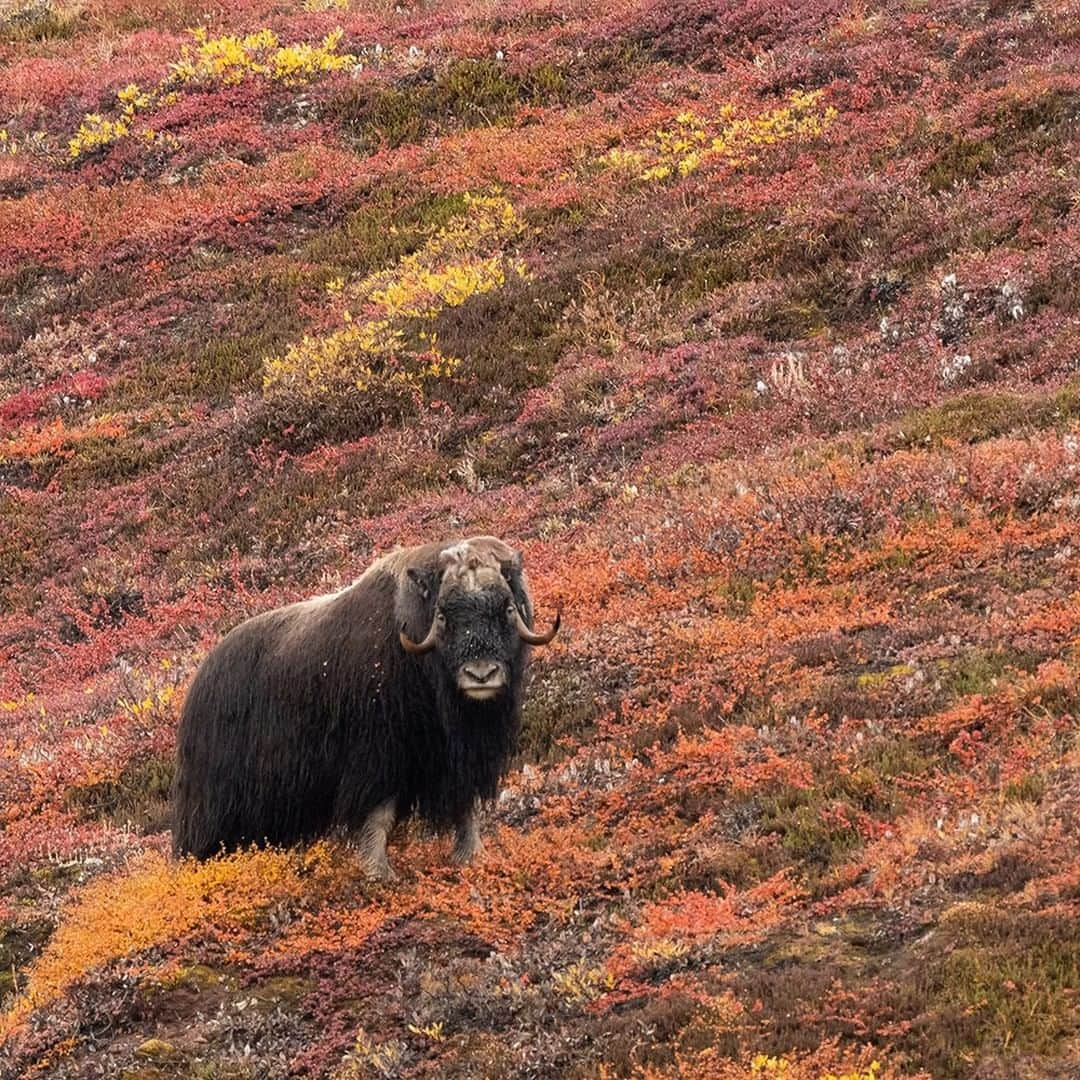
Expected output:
(755, 326)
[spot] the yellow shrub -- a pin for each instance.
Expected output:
(296, 64)
(764, 1067)
(659, 950)
(579, 983)
(226, 60)
(95, 131)
(375, 354)
(692, 140)
(872, 1073)
(161, 900)
(230, 59)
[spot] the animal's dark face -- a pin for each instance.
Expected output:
(479, 622)
(477, 638)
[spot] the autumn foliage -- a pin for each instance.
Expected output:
(755, 326)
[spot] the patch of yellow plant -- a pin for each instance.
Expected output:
(872, 1073)
(229, 59)
(152, 707)
(579, 983)
(373, 351)
(123, 913)
(225, 60)
(778, 1068)
(734, 140)
(17, 703)
(662, 949)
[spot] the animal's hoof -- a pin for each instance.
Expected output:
(380, 871)
(464, 855)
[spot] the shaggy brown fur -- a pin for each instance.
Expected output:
(314, 717)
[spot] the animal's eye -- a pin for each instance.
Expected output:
(510, 609)
(440, 618)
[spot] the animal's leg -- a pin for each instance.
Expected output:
(468, 844)
(373, 837)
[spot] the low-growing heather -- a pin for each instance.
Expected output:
(754, 326)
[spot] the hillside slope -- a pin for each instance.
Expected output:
(756, 326)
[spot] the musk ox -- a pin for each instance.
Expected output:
(399, 694)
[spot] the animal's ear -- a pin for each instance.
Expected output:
(514, 574)
(424, 581)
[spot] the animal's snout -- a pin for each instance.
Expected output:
(481, 671)
(482, 680)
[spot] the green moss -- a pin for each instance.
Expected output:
(477, 91)
(392, 222)
(466, 93)
(797, 816)
(222, 1070)
(996, 983)
(687, 275)
(281, 990)
(1063, 406)
(813, 561)
(57, 877)
(864, 788)
(738, 593)
(1053, 107)
(157, 1050)
(255, 314)
(897, 755)
(979, 671)
(741, 865)
(875, 680)
(1027, 788)
(110, 461)
(809, 839)
(265, 314)
(566, 218)
(870, 785)
(233, 361)
(898, 558)
(969, 418)
(137, 798)
(198, 977)
(975, 417)
(959, 160)
(545, 83)
(508, 339)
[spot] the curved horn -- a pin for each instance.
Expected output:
(531, 636)
(418, 648)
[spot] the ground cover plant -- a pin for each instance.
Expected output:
(756, 326)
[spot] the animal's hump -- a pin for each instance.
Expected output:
(458, 553)
(491, 545)
(475, 563)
